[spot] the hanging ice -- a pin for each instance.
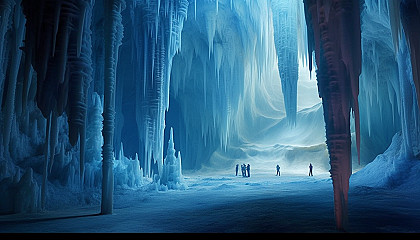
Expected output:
(285, 21)
(224, 84)
(334, 34)
(157, 38)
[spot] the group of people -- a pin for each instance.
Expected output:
(244, 169)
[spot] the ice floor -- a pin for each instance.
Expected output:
(228, 203)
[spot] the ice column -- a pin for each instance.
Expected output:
(113, 34)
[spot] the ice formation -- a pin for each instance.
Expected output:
(113, 34)
(172, 169)
(410, 20)
(220, 68)
(335, 37)
(340, 46)
(285, 20)
(124, 75)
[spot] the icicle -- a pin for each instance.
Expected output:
(82, 155)
(54, 138)
(45, 167)
(5, 11)
(27, 76)
(63, 50)
(395, 22)
(56, 24)
(9, 106)
(80, 28)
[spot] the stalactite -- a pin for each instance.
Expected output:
(27, 76)
(58, 45)
(16, 54)
(285, 21)
(157, 38)
(335, 29)
(6, 8)
(53, 138)
(45, 164)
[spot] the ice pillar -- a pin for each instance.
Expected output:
(113, 34)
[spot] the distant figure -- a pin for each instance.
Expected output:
(237, 166)
(310, 169)
(248, 168)
(243, 170)
(278, 170)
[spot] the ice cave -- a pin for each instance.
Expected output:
(99, 99)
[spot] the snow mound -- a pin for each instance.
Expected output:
(390, 169)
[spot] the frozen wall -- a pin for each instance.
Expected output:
(152, 40)
(380, 98)
(225, 83)
(400, 158)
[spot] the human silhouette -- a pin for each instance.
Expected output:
(310, 169)
(248, 168)
(237, 166)
(278, 170)
(243, 170)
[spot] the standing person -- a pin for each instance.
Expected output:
(243, 169)
(310, 169)
(278, 170)
(248, 168)
(237, 166)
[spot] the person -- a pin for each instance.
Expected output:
(310, 169)
(248, 168)
(237, 166)
(243, 170)
(278, 170)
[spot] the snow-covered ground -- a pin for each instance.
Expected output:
(228, 203)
